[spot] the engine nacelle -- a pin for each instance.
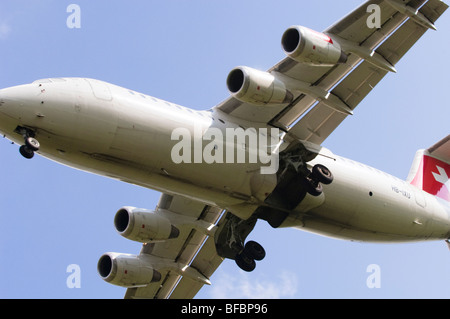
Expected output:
(143, 225)
(257, 87)
(126, 270)
(311, 47)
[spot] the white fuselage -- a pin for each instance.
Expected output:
(118, 133)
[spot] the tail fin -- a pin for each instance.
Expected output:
(431, 169)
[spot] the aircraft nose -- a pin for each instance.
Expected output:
(13, 98)
(7, 99)
(3, 100)
(14, 106)
(12, 94)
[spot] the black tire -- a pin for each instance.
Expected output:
(245, 262)
(32, 143)
(26, 152)
(322, 174)
(312, 187)
(254, 250)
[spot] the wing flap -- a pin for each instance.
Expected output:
(434, 9)
(206, 262)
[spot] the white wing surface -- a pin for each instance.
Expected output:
(324, 95)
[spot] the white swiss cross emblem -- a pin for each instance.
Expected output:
(442, 177)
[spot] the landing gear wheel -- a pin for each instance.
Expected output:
(245, 262)
(26, 152)
(313, 187)
(32, 143)
(254, 250)
(322, 174)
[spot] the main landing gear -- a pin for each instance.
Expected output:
(31, 143)
(319, 175)
(230, 239)
(246, 259)
(293, 185)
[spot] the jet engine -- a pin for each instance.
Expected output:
(311, 47)
(257, 87)
(126, 270)
(143, 225)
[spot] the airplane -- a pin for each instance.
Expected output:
(211, 201)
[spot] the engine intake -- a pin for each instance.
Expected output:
(311, 47)
(126, 270)
(143, 225)
(257, 87)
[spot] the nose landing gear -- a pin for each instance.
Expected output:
(31, 144)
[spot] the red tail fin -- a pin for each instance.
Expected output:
(431, 170)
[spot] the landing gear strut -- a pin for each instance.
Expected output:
(31, 144)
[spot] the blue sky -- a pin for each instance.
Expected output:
(52, 216)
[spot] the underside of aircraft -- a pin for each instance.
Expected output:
(255, 156)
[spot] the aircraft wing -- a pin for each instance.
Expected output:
(190, 258)
(325, 95)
